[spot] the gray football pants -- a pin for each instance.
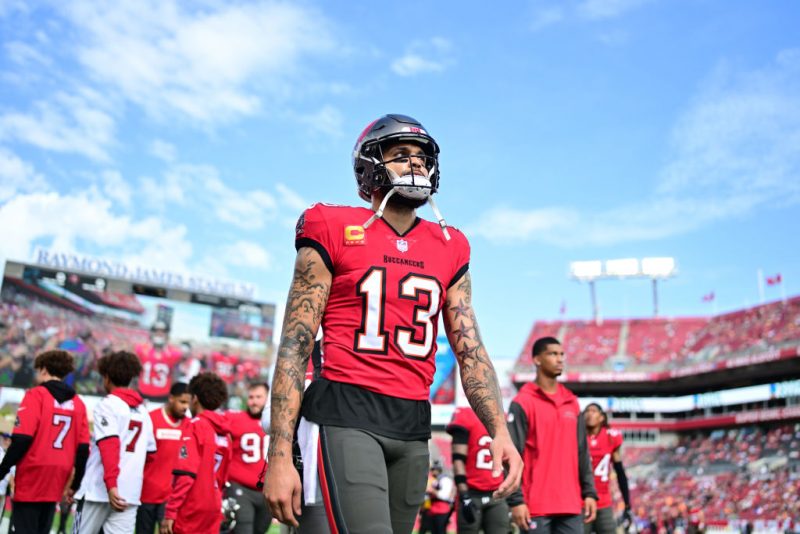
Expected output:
(253, 515)
(371, 484)
(557, 524)
(491, 515)
(604, 523)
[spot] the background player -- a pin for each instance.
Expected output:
(158, 359)
(378, 290)
(248, 462)
(169, 424)
(472, 470)
(558, 492)
(605, 449)
(123, 435)
(202, 467)
(51, 435)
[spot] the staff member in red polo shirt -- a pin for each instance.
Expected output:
(557, 493)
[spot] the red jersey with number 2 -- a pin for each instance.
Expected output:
(57, 430)
(601, 448)
(388, 289)
(479, 457)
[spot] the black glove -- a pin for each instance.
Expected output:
(467, 507)
(627, 519)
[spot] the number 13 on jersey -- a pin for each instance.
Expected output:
(373, 337)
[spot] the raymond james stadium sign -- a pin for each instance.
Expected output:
(140, 274)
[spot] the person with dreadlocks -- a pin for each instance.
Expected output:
(605, 445)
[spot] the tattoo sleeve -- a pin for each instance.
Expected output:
(305, 305)
(477, 372)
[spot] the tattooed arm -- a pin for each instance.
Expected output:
(305, 305)
(480, 381)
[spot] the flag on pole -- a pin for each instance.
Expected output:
(774, 280)
(709, 297)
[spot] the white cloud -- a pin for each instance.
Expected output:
(116, 187)
(210, 63)
(736, 149)
(606, 9)
(17, 176)
(432, 55)
(547, 17)
(25, 55)
(247, 254)
(291, 199)
(70, 122)
(327, 121)
(163, 150)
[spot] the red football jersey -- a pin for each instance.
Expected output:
(224, 365)
(382, 314)
(204, 453)
(57, 429)
(157, 365)
(601, 448)
(479, 458)
(158, 469)
(250, 444)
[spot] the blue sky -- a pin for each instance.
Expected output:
(189, 136)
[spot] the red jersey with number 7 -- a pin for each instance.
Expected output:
(249, 444)
(388, 289)
(467, 429)
(601, 448)
(57, 428)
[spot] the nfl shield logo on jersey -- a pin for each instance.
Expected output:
(402, 245)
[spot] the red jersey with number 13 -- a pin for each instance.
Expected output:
(157, 365)
(601, 448)
(479, 458)
(388, 289)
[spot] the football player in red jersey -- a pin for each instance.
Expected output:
(248, 462)
(169, 425)
(51, 435)
(472, 467)
(159, 360)
(604, 448)
(224, 365)
(377, 281)
(195, 503)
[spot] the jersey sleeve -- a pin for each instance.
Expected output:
(28, 414)
(615, 438)
(313, 230)
(188, 460)
(458, 429)
(460, 255)
(152, 446)
(83, 425)
(106, 423)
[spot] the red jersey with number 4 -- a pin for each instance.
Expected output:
(157, 481)
(382, 313)
(57, 429)
(157, 365)
(601, 448)
(249, 443)
(224, 365)
(204, 456)
(465, 424)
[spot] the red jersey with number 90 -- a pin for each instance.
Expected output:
(601, 448)
(57, 429)
(388, 289)
(249, 443)
(479, 457)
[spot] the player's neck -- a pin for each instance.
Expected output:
(547, 384)
(400, 218)
(593, 431)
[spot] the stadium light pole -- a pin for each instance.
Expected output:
(620, 269)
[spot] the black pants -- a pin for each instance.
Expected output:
(439, 523)
(147, 515)
(32, 517)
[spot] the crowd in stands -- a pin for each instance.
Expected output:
(30, 324)
(665, 343)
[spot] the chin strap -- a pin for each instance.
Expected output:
(439, 217)
(378, 214)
